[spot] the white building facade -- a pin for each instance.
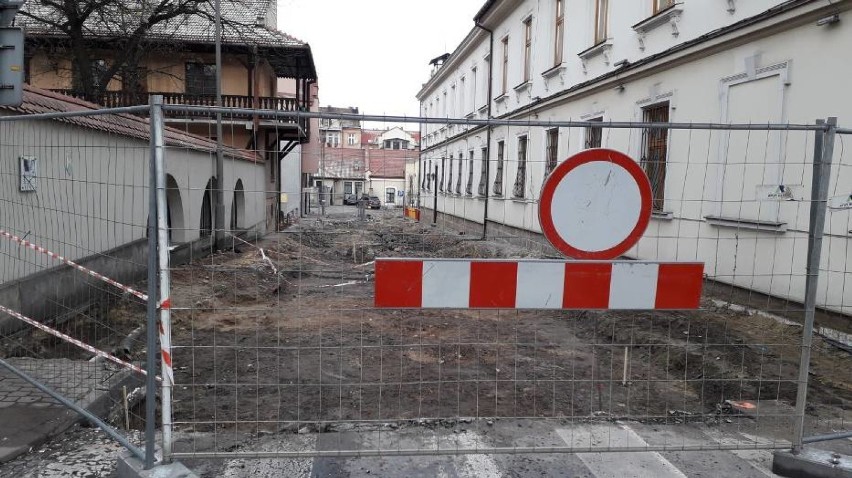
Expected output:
(691, 61)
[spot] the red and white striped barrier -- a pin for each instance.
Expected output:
(73, 264)
(530, 284)
(72, 340)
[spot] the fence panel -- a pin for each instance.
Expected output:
(279, 350)
(73, 215)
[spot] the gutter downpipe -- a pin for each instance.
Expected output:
(488, 131)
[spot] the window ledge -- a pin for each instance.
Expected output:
(768, 226)
(470, 115)
(522, 200)
(501, 98)
(557, 70)
(483, 108)
(662, 215)
(670, 15)
(596, 50)
(603, 48)
(523, 86)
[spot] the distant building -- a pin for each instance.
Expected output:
(352, 160)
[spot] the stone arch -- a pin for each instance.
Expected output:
(174, 210)
(208, 206)
(238, 207)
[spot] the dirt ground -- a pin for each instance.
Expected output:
(281, 336)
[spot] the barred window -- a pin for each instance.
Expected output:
(498, 176)
(443, 170)
(450, 177)
(552, 150)
(594, 134)
(459, 178)
(655, 152)
(469, 189)
(521, 178)
(483, 177)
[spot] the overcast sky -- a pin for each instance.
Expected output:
(374, 54)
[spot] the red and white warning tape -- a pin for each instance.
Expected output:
(166, 342)
(73, 264)
(78, 343)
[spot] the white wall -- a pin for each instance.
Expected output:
(769, 72)
(92, 193)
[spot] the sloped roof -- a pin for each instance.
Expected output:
(389, 163)
(244, 24)
(37, 100)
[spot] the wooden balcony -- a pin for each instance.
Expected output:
(117, 99)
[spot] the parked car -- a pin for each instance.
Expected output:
(374, 202)
(350, 199)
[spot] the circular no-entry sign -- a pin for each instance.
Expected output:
(595, 205)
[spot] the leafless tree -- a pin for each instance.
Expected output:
(127, 29)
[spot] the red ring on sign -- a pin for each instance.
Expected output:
(562, 170)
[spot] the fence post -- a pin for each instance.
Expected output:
(157, 132)
(151, 319)
(823, 153)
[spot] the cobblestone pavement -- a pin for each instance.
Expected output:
(29, 416)
(80, 452)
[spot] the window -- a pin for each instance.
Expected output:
(462, 104)
(552, 150)
(455, 100)
(469, 189)
(473, 96)
(443, 170)
(332, 139)
(655, 152)
(660, 5)
(527, 49)
(325, 122)
(395, 144)
(450, 178)
(594, 134)
(521, 177)
(99, 68)
(601, 20)
(459, 178)
(559, 32)
(351, 139)
(505, 67)
(483, 178)
(498, 177)
(390, 195)
(424, 174)
(429, 176)
(200, 79)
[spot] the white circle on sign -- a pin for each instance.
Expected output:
(596, 206)
(602, 207)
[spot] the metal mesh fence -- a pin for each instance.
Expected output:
(73, 214)
(279, 351)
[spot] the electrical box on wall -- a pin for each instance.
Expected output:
(29, 173)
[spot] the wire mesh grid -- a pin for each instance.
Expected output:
(73, 218)
(279, 351)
